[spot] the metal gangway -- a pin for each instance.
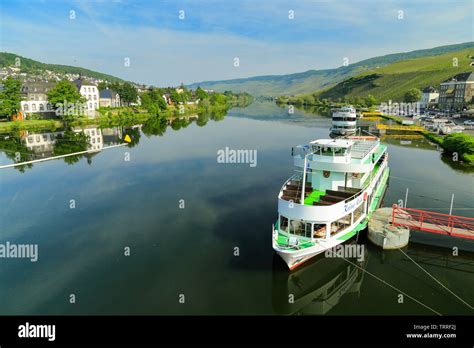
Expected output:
(433, 222)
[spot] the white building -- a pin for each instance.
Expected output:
(41, 144)
(96, 141)
(35, 97)
(430, 96)
(91, 93)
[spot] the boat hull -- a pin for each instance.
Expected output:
(294, 259)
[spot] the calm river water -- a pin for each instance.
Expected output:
(166, 225)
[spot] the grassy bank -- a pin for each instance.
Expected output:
(124, 116)
(31, 125)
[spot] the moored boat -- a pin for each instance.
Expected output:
(337, 185)
(344, 121)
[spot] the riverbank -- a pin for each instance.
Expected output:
(124, 116)
(460, 143)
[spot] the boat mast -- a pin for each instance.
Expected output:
(303, 183)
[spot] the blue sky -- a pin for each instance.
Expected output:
(166, 50)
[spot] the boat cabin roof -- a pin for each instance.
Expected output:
(338, 143)
(362, 148)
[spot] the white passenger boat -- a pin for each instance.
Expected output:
(337, 185)
(344, 121)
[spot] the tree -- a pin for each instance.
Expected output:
(66, 99)
(10, 97)
(370, 100)
(308, 99)
(128, 93)
(153, 101)
(218, 98)
(103, 85)
(413, 95)
(201, 94)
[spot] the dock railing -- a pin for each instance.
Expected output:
(460, 226)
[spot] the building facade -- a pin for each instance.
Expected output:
(430, 97)
(109, 98)
(457, 92)
(91, 93)
(35, 99)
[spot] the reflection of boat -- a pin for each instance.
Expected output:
(318, 287)
(344, 121)
(339, 183)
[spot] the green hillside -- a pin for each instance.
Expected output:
(30, 66)
(312, 80)
(391, 82)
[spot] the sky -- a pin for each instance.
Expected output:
(174, 41)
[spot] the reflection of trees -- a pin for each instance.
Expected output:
(456, 165)
(203, 118)
(218, 115)
(155, 126)
(15, 150)
(179, 123)
(134, 134)
(71, 142)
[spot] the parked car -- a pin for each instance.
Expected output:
(456, 116)
(469, 123)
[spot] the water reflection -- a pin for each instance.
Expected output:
(75, 143)
(318, 287)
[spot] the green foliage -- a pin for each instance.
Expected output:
(153, 102)
(217, 98)
(370, 100)
(201, 94)
(61, 95)
(128, 93)
(155, 126)
(10, 97)
(16, 150)
(461, 143)
(391, 82)
(412, 95)
(71, 142)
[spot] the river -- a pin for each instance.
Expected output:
(162, 227)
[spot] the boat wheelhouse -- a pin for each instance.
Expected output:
(344, 121)
(337, 185)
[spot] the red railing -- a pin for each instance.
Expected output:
(453, 225)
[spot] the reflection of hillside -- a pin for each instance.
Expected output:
(269, 111)
(318, 286)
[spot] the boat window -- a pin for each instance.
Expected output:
(340, 224)
(319, 230)
(300, 228)
(339, 152)
(283, 223)
(326, 151)
(297, 227)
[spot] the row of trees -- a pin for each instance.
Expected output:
(411, 96)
